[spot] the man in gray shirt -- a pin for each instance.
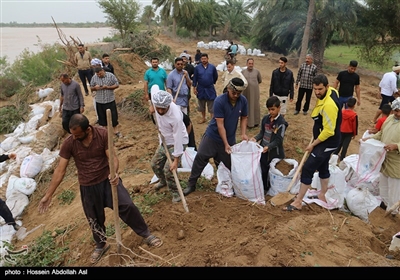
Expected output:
(71, 100)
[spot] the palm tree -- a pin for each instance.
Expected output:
(174, 9)
(148, 15)
(280, 25)
(235, 16)
(306, 36)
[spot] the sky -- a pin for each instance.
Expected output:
(41, 11)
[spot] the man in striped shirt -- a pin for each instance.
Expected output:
(104, 83)
(305, 76)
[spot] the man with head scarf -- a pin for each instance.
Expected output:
(220, 134)
(389, 180)
(172, 131)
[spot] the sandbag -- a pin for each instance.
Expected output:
(246, 171)
(24, 185)
(31, 166)
(10, 143)
(278, 181)
(361, 202)
(224, 186)
(187, 162)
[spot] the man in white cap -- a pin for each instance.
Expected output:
(172, 131)
(389, 180)
(220, 134)
(388, 90)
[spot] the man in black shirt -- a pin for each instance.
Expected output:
(349, 82)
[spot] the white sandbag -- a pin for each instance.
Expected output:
(367, 134)
(395, 244)
(224, 186)
(10, 143)
(27, 138)
(278, 181)
(17, 131)
(361, 202)
(187, 162)
(31, 166)
(44, 92)
(246, 171)
(334, 199)
(371, 157)
(17, 203)
(31, 125)
(48, 158)
(11, 186)
(24, 185)
(36, 109)
(337, 179)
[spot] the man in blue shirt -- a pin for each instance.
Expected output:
(204, 78)
(220, 134)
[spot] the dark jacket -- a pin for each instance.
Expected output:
(284, 87)
(271, 134)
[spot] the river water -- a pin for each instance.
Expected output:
(15, 39)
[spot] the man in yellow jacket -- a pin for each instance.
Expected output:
(327, 118)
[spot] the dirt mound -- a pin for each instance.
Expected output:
(129, 68)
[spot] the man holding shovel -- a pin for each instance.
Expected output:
(178, 84)
(327, 118)
(88, 146)
(172, 131)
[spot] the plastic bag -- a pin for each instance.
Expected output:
(224, 186)
(361, 202)
(279, 182)
(31, 166)
(246, 171)
(187, 162)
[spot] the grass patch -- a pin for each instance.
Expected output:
(66, 197)
(342, 54)
(144, 202)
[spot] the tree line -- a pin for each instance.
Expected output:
(273, 25)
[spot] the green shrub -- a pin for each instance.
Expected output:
(41, 67)
(183, 33)
(9, 86)
(42, 252)
(10, 118)
(66, 197)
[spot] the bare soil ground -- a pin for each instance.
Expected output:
(219, 231)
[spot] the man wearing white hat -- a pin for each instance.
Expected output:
(170, 124)
(388, 90)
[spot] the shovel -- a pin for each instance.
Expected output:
(170, 162)
(394, 207)
(284, 197)
(112, 174)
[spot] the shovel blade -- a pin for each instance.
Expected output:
(281, 198)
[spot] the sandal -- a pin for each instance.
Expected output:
(153, 241)
(98, 253)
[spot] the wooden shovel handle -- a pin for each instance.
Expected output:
(112, 175)
(179, 87)
(296, 174)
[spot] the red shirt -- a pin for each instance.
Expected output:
(349, 122)
(91, 162)
(379, 123)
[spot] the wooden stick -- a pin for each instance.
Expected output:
(178, 184)
(112, 174)
(179, 87)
